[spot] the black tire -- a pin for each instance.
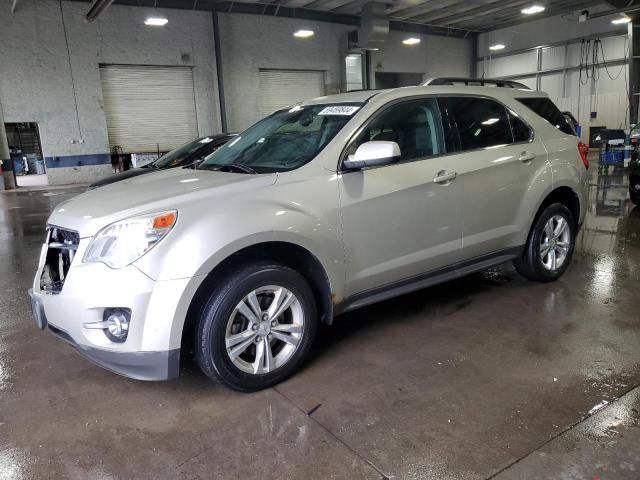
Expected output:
(210, 348)
(530, 264)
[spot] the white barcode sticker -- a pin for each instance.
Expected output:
(339, 110)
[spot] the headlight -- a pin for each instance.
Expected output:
(122, 243)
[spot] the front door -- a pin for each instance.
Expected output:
(405, 219)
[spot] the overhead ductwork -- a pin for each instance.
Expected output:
(374, 27)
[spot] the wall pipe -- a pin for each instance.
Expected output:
(218, 54)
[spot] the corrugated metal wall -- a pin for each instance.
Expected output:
(148, 107)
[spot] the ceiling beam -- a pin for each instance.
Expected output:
(481, 15)
(427, 7)
(96, 9)
(456, 9)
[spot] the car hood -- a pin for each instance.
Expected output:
(90, 211)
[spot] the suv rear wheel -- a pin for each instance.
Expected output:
(550, 245)
(257, 327)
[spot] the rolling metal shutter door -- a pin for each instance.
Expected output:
(281, 88)
(148, 106)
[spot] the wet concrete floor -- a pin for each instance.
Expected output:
(486, 377)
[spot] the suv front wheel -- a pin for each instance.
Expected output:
(550, 245)
(257, 326)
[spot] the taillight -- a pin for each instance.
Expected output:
(583, 148)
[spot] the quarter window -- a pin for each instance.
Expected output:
(481, 122)
(547, 110)
(521, 131)
(414, 125)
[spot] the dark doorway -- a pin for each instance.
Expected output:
(26, 152)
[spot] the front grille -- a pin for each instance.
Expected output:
(62, 245)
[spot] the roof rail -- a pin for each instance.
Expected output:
(475, 82)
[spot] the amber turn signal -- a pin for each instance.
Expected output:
(166, 220)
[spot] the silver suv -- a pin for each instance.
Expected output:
(318, 209)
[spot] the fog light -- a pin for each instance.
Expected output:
(115, 324)
(636, 187)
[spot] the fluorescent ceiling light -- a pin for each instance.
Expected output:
(411, 41)
(490, 121)
(532, 9)
(303, 33)
(621, 20)
(156, 21)
(497, 46)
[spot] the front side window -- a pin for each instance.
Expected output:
(481, 122)
(414, 125)
(283, 141)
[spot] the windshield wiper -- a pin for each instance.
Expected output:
(228, 167)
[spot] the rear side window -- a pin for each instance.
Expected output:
(481, 122)
(547, 110)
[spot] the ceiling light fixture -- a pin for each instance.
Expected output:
(532, 9)
(411, 41)
(304, 34)
(497, 46)
(156, 21)
(621, 20)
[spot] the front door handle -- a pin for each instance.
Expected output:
(526, 157)
(443, 177)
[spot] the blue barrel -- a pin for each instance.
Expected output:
(18, 166)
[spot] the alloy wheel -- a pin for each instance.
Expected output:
(264, 330)
(555, 243)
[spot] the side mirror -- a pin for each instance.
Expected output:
(373, 154)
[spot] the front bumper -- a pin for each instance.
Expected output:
(158, 308)
(136, 365)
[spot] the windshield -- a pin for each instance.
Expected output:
(283, 141)
(175, 157)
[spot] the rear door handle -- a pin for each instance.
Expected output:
(444, 177)
(526, 157)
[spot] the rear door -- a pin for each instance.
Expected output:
(498, 158)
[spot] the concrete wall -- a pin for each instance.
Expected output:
(434, 56)
(40, 66)
(36, 74)
(252, 42)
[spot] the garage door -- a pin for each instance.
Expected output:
(281, 88)
(147, 107)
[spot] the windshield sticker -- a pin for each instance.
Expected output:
(339, 110)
